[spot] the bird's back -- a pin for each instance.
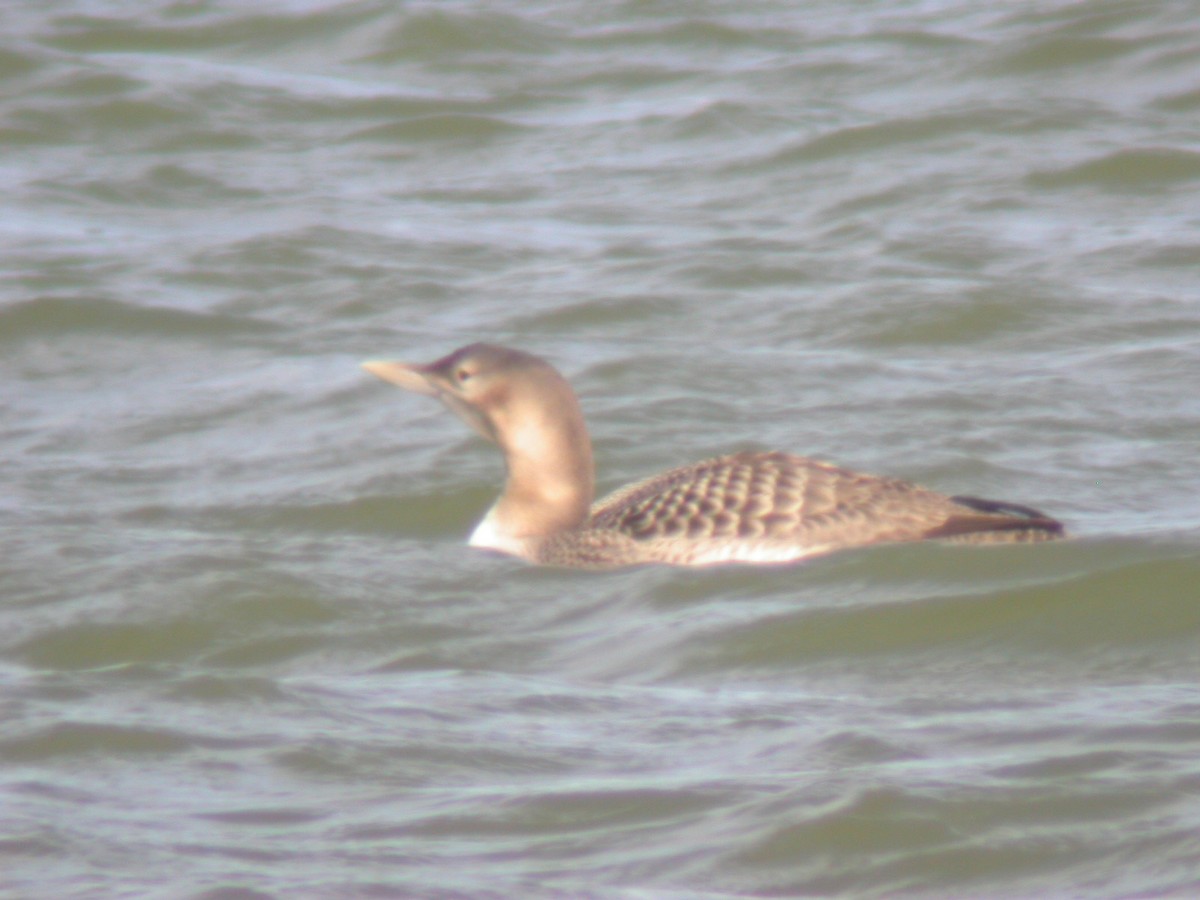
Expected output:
(776, 507)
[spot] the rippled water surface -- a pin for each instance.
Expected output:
(243, 650)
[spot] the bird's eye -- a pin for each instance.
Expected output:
(463, 376)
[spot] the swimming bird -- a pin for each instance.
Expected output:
(748, 507)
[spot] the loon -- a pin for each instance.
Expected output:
(748, 507)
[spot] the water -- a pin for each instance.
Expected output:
(245, 652)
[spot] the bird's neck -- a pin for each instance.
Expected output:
(550, 484)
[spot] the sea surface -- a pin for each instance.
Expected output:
(244, 651)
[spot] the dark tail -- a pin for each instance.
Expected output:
(995, 521)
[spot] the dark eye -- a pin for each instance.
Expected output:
(463, 376)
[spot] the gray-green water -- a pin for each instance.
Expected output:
(243, 650)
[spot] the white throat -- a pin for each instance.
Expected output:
(489, 536)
